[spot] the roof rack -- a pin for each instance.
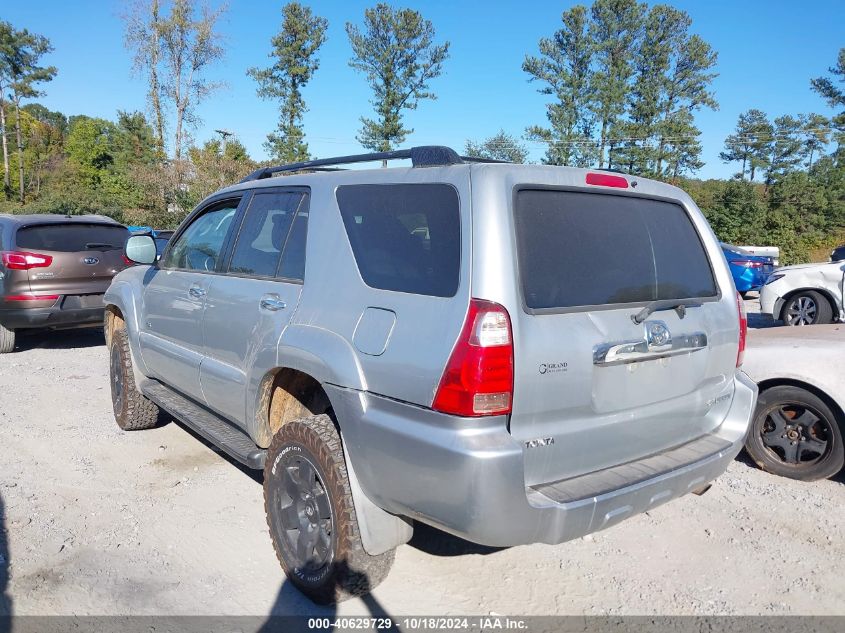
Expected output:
(422, 156)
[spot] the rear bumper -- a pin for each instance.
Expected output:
(467, 477)
(24, 318)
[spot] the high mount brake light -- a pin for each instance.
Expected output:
(607, 180)
(20, 260)
(478, 379)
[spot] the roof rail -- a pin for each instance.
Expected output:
(422, 156)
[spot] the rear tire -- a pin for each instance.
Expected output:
(807, 307)
(132, 411)
(312, 520)
(7, 340)
(784, 442)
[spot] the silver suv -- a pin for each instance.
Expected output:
(510, 353)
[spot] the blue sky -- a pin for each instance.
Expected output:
(768, 52)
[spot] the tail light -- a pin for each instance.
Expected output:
(31, 297)
(19, 260)
(743, 329)
(748, 263)
(126, 260)
(478, 379)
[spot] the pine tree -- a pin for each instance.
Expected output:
(294, 52)
(750, 143)
(563, 68)
(397, 53)
(614, 30)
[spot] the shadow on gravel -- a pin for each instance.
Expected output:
(60, 339)
(5, 599)
(437, 543)
(290, 602)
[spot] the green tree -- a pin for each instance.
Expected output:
(217, 164)
(500, 146)
(750, 143)
(21, 53)
(397, 53)
(786, 148)
(44, 135)
(687, 90)
(652, 60)
(295, 58)
(831, 88)
(7, 41)
(175, 51)
(563, 69)
(816, 130)
(615, 28)
(142, 36)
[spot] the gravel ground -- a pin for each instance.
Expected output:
(98, 521)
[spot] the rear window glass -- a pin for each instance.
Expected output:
(71, 238)
(587, 249)
(405, 238)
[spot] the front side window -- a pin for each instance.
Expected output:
(591, 249)
(265, 233)
(200, 246)
(405, 238)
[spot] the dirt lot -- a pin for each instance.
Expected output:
(98, 521)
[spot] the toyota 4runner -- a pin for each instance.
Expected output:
(510, 353)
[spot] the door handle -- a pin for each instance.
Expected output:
(273, 303)
(635, 351)
(196, 292)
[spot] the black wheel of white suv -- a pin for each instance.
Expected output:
(132, 411)
(807, 308)
(308, 501)
(7, 340)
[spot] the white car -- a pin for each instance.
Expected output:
(798, 424)
(806, 294)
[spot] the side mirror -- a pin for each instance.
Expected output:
(141, 249)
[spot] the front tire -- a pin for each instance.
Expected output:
(132, 411)
(795, 434)
(7, 340)
(311, 515)
(807, 308)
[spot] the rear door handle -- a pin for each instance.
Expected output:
(636, 351)
(196, 292)
(273, 303)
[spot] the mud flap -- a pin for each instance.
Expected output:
(380, 530)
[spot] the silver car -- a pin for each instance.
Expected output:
(509, 353)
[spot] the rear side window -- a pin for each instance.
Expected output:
(266, 233)
(589, 249)
(71, 238)
(405, 238)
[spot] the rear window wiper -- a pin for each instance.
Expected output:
(679, 305)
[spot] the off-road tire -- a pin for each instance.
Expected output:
(824, 311)
(770, 460)
(7, 340)
(349, 570)
(132, 411)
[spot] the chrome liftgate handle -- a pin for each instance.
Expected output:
(636, 351)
